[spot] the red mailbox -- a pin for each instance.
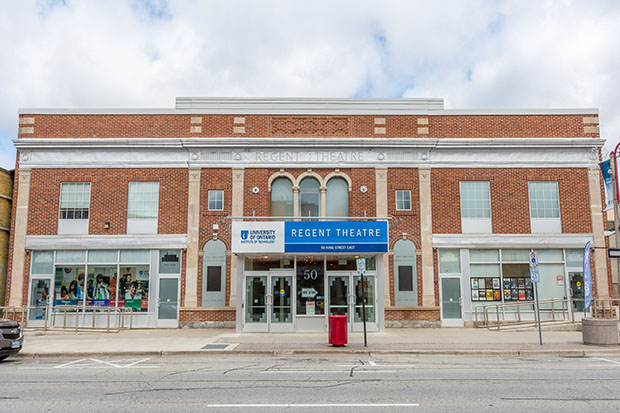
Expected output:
(338, 330)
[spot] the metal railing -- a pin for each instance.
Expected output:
(75, 317)
(522, 313)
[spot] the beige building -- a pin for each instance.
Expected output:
(6, 200)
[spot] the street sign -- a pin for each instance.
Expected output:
(533, 259)
(613, 252)
(361, 265)
(534, 274)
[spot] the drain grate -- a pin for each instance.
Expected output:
(215, 347)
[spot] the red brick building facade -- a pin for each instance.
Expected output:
(137, 208)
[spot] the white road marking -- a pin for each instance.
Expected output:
(323, 371)
(609, 361)
(316, 405)
(98, 364)
(372, 363)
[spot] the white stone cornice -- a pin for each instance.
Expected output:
(511, 240)
(82, 242)
(448, 143)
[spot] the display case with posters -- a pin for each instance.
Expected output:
(486, 289)
(133, 287)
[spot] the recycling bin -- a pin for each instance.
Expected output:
(338, 330)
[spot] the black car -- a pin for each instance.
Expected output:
(11, 338)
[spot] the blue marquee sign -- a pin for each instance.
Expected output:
(336, 236)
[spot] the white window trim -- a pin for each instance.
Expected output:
(396, 199)
(74, 226)
(209, 200)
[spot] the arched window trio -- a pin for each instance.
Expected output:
(310, 195)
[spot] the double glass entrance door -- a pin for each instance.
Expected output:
(268, 302)
(345, 295)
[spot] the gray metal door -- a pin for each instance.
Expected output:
(451, 298)
(168, 299)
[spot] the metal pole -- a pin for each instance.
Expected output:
(364, 309)
(616, 199)
(538, 312)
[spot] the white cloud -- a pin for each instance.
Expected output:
(475, 54)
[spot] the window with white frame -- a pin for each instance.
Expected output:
(143, 200)
(475, 199)
(216, 200)
(403, 200)
(74, 200)
(544, 199)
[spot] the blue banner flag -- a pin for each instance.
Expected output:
(608, 179)
(587, 278)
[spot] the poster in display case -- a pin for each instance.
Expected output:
(474, 295)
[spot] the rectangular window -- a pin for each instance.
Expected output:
(74, 200)
(544, 200)
(403, 200)
(475, 199)
(42, 262)
(170, 262)
(143, 200)
(216, 200)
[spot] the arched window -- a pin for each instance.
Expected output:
(282, 198)
(337, 198)
(405, 274)
(214, 274)
(309, 198)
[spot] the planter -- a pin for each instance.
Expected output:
(601, 331)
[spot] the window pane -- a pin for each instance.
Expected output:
(69, 285)
(309, 198)
(484, 270)
(70, 257)
(405, 278)
(214, 278)
(282, 198)
(544, 199)
(475, 199)
(134, 287)
(516, 255)
(170, 262)
(483, 255)
(103, 256)
(449, 261)
(550, 256)
(74, 200)
(43, 262)
(101, 286)
(135, 256)
(143, 200)
(310, 276)
(216, 200)
(574, 258)
(337, 198)
(403, 200)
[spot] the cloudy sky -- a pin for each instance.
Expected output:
(474, 54)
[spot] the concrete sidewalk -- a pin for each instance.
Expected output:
(412, 341)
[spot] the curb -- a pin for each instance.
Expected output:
(328, 352)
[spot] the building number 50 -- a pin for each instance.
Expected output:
(310, 274)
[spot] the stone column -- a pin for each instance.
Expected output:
(19, 238)
(323, 212)
(193, 223)
(382, 211)
(426, 235)
(238, 175)
(295, 201)
(600, 254)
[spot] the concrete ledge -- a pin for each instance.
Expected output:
(412, 324)
(207, 324)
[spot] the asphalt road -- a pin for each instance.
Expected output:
(296, 384)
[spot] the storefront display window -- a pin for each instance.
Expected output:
(517, 283)
(69, 285)
(101, 286)
(574, 258)
(310, 286)
(134, 287)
